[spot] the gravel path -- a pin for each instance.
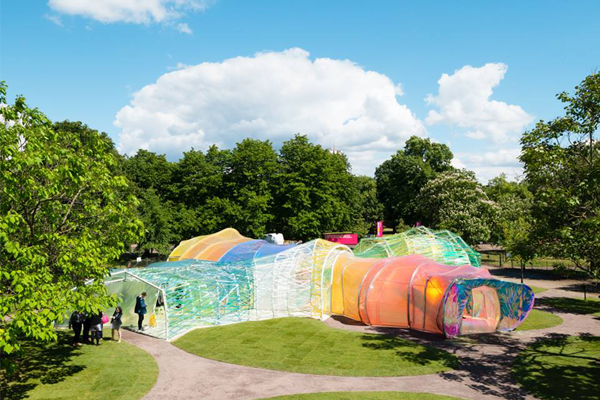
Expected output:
(484, 372)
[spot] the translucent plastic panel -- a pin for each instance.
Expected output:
(245, 251)
(196, 249)
(183, 247)
(352, 279)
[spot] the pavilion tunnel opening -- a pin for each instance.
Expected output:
(482, 311)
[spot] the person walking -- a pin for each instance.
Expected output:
(115, 323)
(76, 323)
(96, 327)
(141, 309)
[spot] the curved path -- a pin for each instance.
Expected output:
(484, 372)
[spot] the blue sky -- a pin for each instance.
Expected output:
(379, 61)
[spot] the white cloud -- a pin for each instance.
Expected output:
(184, 28)
(54, 19)
(271, 95)
(464, 100)
(131, 11)
(491, 164)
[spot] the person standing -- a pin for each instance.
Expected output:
(76, 323)
(96, 327)
(141, 309)
(115, 323)
(86, 327)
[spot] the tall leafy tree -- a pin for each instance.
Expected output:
(371, 210)
(315, 191)
(562, 166)
(64, 215)
(400, 179)
(250, 183)
(514, 201)
(456, 201)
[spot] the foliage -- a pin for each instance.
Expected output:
(60, 371)
(315, 191)
(308, 346)
(562, 166)
(64, 215)
(400, 179)
(249, 186)
(371, 208)
(456, 201)
(514, 206)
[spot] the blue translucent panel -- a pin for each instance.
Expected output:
(242, 252)
(269, 249)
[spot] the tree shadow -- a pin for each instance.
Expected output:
(46, 363)
(589, 287)
(406, 349)
(561, 367)
(569, 305)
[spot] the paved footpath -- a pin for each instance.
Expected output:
(484, 372)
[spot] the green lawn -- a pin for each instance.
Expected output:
(561, 368)
(537, 289)
(538, 319)
(59, 371)
(364, 396)
(308, 346)
(573, 306)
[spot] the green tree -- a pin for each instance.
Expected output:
(149, 170)
(64, 215)
(250, 182)
(456, 201)
(157, 216)
(562, 166)
(315, 191)
(371, 208)
(400, 179)
(514, 205)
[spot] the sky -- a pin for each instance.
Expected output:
(360, 76)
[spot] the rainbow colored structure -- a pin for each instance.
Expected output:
(226, 278)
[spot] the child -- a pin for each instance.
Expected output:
(115, 322)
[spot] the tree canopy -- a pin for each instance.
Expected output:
(456, 201)
(562, 166)
(400, 179)
(64, 215)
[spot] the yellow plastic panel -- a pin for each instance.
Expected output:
(182, 248)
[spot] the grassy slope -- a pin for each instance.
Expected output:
(364, 396)
(308, 346)
(538, 319)
(59, 371)
(560, 368)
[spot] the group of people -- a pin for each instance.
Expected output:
(92, 324)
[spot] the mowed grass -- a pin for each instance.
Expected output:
(573, 306)
(537, 289)
(364, 396)
(60, 371)
(560, 368)
(308, 346)
(538, 319)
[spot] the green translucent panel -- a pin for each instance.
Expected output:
(442, 246)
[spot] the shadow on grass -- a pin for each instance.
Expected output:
(45, 363)
(569, 305)
(405, 349)
(560, 367)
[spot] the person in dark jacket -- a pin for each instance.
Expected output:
(96, 327)
(141, 309)
(76, 323)
(115, 323)
(86, 327)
